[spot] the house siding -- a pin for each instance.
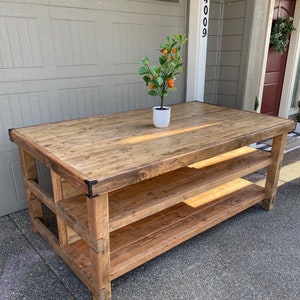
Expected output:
(226, 44)
(66, 59)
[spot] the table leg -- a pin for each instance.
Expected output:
(29, 170)
(57, 197)
(98, 221)
(277, 152)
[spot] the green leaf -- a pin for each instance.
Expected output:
(145, 61)
(153, 93)
(146, 78)
(164, 77)
(173, 44)
(179, 70)
(159, 81)
(173, 64)
(165, 93)
(143, 70)
(162, 59)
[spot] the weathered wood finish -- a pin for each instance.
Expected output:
(146, 198)
(139, 242)
(125, 192)
(58, 197)
(137, 149)
(28, 165)
(273, 171)
(98, 224)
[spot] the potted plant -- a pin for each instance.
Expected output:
(161, 79)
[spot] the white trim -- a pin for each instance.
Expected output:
(266, 52)
(291, 66)
(260, 14)
(197, 48)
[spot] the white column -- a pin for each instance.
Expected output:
(197, 47)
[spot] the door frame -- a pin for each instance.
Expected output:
(198, 12)
(289, 81)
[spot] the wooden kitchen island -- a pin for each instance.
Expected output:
(124, 192)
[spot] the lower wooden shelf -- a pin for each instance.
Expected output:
(143, 240)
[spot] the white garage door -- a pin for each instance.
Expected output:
(64, 59)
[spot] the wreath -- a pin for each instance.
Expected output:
(281, 29)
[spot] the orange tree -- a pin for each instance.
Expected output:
(160, 79)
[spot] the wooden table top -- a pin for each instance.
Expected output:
(116, 150)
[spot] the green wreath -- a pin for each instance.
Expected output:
(281, 29)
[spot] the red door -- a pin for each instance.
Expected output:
(276, 65)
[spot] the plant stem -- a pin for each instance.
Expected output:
(161, 101)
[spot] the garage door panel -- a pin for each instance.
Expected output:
(69, 59)
(139, 6)
(24, 46)
(74, 42)
(12, 196)
(20, 45)
(65, 42)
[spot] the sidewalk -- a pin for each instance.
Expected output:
(254, 255)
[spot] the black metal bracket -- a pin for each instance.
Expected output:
(90, 188)
(9, 131)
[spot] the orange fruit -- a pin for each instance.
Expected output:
(174, 50)
(170, 82)
(151, 86)
(164, 51)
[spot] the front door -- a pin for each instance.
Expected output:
(276, 65)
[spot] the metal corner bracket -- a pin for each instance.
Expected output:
(90, 188)
(9, 131)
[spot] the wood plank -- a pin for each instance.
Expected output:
(137, 243)
(29, 171)
(98, 225)
(138, 150)
(80, 265)
(58, 197)
(148, 197)
(69, 218)
(272, 177)
(41, 194)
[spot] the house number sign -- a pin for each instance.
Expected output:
(198, 36)
(205, 18)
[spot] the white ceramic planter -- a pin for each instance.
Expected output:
(161, 117)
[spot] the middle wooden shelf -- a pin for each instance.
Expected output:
(136, 202)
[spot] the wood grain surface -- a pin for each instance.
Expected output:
(121, 149)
